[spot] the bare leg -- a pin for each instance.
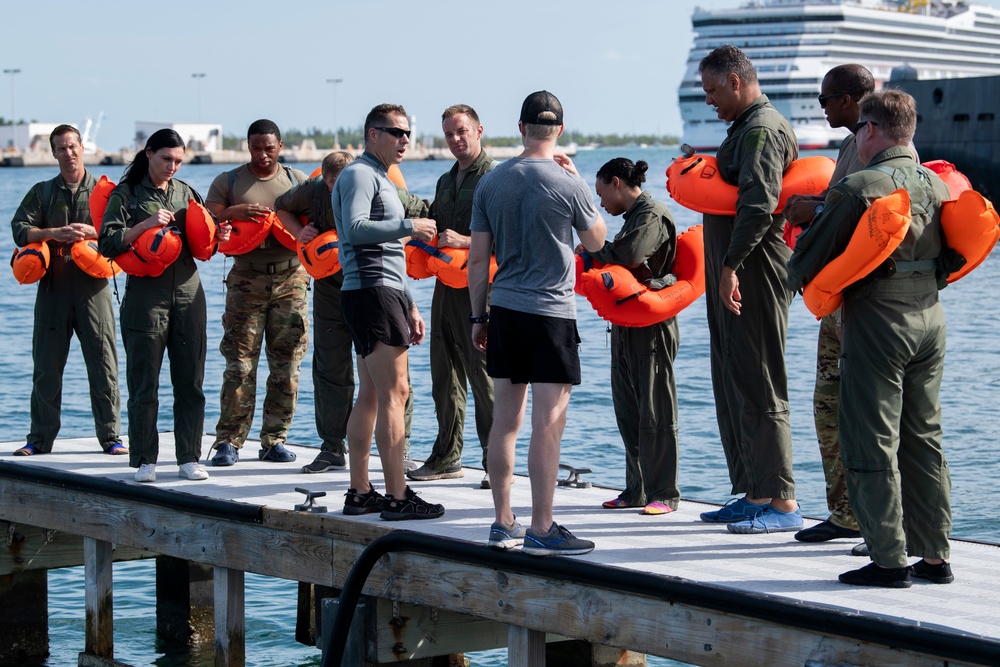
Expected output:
(361, 428)
(548, 420)
(510, 401)
(386, 391)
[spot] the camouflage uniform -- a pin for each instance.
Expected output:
(161, 314)
(266, 300)
(67, 301)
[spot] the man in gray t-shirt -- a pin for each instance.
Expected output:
(526, 209)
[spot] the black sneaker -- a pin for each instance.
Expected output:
(326, 461)
(363, 503)
(873, 575)
(937, 574)
(558, 541)
(426, 473)
(411, 506)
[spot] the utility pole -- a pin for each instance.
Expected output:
(336, 135)
(198, 76)
(13, 105)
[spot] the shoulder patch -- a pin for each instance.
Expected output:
(755, 140)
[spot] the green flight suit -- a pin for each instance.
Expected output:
(643, 386)
(892, 363)
(455, 361)
(67, 301)
(165, 313)
(748, 350)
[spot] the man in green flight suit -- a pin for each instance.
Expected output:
(893, 354)
(748, 301)
(68, 301)
(454, 359)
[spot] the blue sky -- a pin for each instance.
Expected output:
(615, 66)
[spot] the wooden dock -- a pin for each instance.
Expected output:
(670, 585)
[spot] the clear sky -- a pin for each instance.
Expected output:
(615, 66)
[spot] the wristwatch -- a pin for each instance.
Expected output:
(479, 319)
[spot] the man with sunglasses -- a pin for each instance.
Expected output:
(893, 353)
(380, 312)
(841, 91)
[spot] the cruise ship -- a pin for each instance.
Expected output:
(793, 43)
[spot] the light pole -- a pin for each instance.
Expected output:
(198, 76)
(13, 105)
(336, 135)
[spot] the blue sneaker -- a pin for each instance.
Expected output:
(506, 537)
(558, 541)
(737, 509)
(771, 520)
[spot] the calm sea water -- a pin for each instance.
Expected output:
(591, 439)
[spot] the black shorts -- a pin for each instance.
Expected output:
(375, 314)
(526, 348)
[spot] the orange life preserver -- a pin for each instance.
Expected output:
(247, 235)
(396, 176)
(621, 299)
(321, 256)
(417, 252)
(879, 232)
(31, 262)
(318, 171)
(201, 230)
(151, 253)
(284, 236)
(695, 182)
(451, 266)
(88, 257)
(970, 226)
(955, 180)
(98, 200)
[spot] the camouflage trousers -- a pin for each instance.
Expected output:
(271, 309)
(826, 411)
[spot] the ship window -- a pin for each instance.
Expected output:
(938, 96)
(961, 118)
(985, 116)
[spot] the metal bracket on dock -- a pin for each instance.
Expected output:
(574, 480)
(310, 504)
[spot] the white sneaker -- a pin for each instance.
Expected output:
(193, 471)
(146, 473)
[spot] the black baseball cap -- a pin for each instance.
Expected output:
(538, 103)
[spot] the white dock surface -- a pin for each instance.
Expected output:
(672, 545)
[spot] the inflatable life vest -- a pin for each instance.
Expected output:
(31, 262)
(201, 230)
(151, 253)
(879, 232)
(417, 252)
(955, 180)
(695, 182)
(970, 226)
(451, 266)
(88, 257)
(619, 298)
(247, 235)
(321, 256)
(98, 200)
(284, 236)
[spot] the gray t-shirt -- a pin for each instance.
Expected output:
(531, 207)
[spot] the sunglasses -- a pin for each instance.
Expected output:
(823, 98)
(397, 132)
(861, 123)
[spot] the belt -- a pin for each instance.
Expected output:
(892, 267)
(272, 267)
(60, 251)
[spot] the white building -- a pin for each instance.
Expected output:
(27, 136)
(196, 136)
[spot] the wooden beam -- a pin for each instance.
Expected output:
(99, 628)
(525, 648)
(230, 633)
(32, 548)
